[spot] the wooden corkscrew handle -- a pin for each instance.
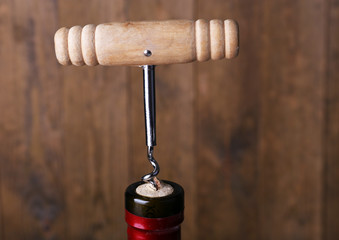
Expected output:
(147, 43)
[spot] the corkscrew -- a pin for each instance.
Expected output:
(150, 121)
(147, 44)
(150, 213)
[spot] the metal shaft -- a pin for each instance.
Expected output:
(149, 103)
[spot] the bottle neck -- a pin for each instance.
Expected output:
(154, 218)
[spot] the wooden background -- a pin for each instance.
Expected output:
(254, 141)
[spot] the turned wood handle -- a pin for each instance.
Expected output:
(167, 42)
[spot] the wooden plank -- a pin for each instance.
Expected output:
(291, 125)
(30, 124)
(4, 44)
(96, 154)
(228, 130)
(9, 124)
(332, 129)
(260, 124)
(2, 233)
(47, 132)
(175, 113)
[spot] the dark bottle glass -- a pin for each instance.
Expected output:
(154, 218)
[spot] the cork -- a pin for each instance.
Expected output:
(148, 190)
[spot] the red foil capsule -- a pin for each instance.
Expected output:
(154, 218)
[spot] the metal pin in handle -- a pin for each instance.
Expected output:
(149, 104)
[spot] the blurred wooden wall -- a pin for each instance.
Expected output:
(254, 141)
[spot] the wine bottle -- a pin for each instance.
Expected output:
(155, 215)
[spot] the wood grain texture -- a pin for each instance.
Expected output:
(124, 43)
(2, 231)
(31, 120)
(270, 185)
(331, 139)
(227, 116)
(5, 40)
(246, 138)
(292, 116)
(175, 114)
(95, 113)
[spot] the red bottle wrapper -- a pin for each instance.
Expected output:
(140, 228)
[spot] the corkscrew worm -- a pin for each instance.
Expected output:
(149, 109)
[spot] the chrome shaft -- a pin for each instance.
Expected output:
(150, 121)
(149, 104)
